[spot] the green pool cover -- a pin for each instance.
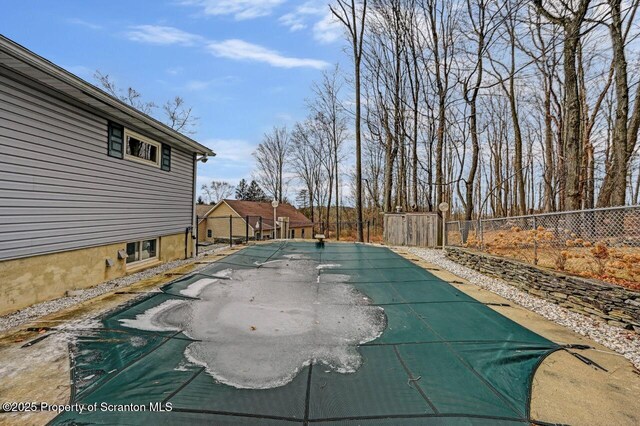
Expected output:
(444, 358)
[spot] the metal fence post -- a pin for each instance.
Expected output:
(230, 231)
(197, 236)
(246, 231)
(535, 240)
(261, 229)
(368, 231)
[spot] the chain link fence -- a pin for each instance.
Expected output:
(239, 230)
(348, 230)
(599, 243)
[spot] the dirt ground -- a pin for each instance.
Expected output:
(565, 390)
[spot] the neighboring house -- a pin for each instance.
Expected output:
(232, 214)
(202, 210)
(91, 189)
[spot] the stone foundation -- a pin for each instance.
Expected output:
(616, 305)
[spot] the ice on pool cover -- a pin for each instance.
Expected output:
(260, 327)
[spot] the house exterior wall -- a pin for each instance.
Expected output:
(202, 231)
(60, 191)
(218, 223)
(308, 232)
(36, 279)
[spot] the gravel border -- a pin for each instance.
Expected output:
(624, 342)
(45, 308)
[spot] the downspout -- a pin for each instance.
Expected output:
(186, 241)
(193, 207)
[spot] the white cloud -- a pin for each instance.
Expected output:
(315, 13)
(284, 116)
(240, 9)
(174, 70)
(328, 29)
(197, 85)
(232, 48)
(231, 150)
(83, 23)
(293, 21)
(158, 34)
(242, 50)
(233, 161)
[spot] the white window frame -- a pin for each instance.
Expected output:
(144, 139)
(150, 259)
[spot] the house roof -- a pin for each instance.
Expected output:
(264, 210)
(25, 62)
(202, 210)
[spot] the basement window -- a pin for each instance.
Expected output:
(141, 149)
(138, 251)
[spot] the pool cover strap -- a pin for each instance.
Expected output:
(443, 356)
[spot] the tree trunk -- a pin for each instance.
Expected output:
(614, 187)
(549, 196)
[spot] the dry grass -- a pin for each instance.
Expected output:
(350, 235)
(563, 251)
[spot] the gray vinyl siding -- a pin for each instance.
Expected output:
(59, 190)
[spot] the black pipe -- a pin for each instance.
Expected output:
(197, 234)
(246, 231)
(186, 241)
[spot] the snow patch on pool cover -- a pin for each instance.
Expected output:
(149, 319)
(258, 329)
(196, 288)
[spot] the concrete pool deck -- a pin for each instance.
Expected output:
(565, 389)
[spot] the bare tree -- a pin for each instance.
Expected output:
(524, 105)
(179, 116)
(353, 16)
(480, 19)
(217, 190)
(331, 121)
(625, 131)
(307, 163)
(129, 96)
(571, 20)
(271, 157)
(441, 21)
(176, 114)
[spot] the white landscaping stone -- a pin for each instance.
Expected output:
(45, 308)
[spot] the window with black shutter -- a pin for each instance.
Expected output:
(124, 143)
(116, 140)
(165, 161)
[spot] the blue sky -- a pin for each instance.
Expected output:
(244, 65)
